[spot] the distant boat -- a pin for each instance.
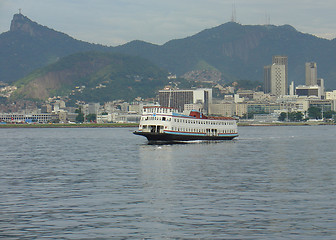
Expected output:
(166, 124)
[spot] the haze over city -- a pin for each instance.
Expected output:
(120, 21)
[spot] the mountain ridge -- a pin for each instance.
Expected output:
(237, 51)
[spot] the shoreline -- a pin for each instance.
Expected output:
(124, 125)
(256, 124)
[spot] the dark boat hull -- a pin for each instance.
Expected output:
(168, 137)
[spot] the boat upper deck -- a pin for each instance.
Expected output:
(174, 112)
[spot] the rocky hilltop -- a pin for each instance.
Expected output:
(28, 46)
(24, 24)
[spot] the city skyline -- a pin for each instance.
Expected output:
(117, 22)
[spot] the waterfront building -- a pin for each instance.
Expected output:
(225, 109)
(263, 97)
(246, 94)
(178, 98)
(303, 90)
(135, 108)
(331, 95)
(268, 118)
(293, 103)
(238, 99)
(47, 108)
(128, 118)
(228, 109)
(262, 108)
(241, 109)
(105, 118)
(324, 105)
(193, 106)
(28, 118)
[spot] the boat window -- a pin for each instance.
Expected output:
(163, 119)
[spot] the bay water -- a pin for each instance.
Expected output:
(272, 182)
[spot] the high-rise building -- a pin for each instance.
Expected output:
(276, 76)
(311, 74)
(178, 98)
(267, 79)
(275, 80)
(282, 60)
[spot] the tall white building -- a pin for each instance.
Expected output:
(282, 60)
(311, 74)
(276, 76)
(275, 80)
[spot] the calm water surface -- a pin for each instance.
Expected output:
(270, 183)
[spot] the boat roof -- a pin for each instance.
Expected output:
(159, 107)
(193, 114)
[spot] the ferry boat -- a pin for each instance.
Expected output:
(166, 124)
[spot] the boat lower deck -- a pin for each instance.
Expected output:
(155, 136)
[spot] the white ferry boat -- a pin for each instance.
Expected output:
(166, 124)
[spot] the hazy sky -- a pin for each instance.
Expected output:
(115, 22)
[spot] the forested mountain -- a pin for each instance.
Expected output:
(236, 51)
(241, 51)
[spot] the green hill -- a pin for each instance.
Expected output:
(93, 77)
